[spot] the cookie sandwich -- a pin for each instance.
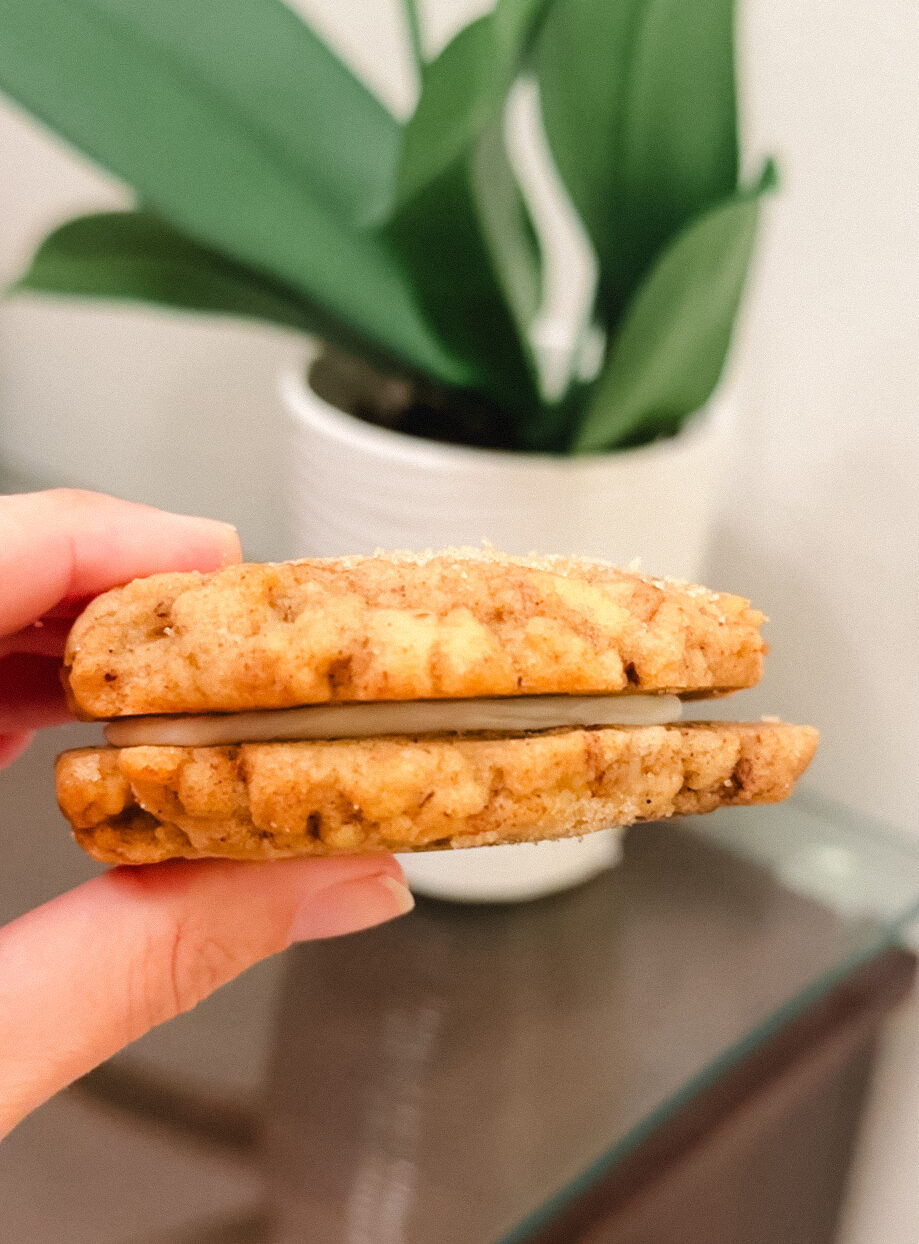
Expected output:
(408, 703)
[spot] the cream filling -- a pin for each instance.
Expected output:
(509, 715)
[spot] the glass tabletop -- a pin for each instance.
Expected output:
(463, 1073)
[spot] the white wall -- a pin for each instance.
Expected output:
(819, 523)
(821, 520)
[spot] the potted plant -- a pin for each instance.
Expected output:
(272, 184)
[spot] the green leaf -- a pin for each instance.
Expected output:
(507, 227)
(415, 33)
(121, 82)
(459, 221)
(639, 105)
(134, 255)
(669, 352)
(464, 89)
(138, 257)
(267, 67)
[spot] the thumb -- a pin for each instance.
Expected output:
(91, 971)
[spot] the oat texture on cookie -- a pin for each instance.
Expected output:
(456, 624)
(265, 801)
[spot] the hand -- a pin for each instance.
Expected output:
(92, 970)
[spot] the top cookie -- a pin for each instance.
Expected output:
(455, 624)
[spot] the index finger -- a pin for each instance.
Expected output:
(67, 545)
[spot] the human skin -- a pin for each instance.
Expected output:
(93, 969)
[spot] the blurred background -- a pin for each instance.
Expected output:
(817, 517)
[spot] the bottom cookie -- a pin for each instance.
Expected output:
(262, 801)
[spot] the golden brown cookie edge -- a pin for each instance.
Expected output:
(265, 801)
(394, 627)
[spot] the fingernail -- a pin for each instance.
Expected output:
(349, 907)
(232, 550)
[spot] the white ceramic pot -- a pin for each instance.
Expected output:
(358, 488)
